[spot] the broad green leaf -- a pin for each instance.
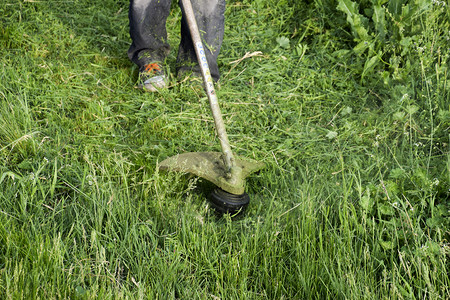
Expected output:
(283, 42)
(399, 116)
(10, 174)
(369, 65)
(362, 46)
(444, 116)
(386, 209)
(348, 7)
(331, 134)
(412, 109)
(347, 110)
(378, 18)
(397, 173)
(395, 7)
(366, 201)
(25, 164)
(355, 20)
(387, 245)
(435, 222)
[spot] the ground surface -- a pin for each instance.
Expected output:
(348, 107)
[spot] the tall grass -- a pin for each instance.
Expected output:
(353, 204)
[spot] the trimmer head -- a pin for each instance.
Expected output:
(210, 166)
(224, 202)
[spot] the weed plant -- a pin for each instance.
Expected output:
(347, 103)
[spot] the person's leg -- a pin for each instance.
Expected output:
(148, 31)
(210, 21)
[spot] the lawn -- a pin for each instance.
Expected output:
(347, 103)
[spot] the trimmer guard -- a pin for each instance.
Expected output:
(210, 166)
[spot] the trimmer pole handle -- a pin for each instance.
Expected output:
(228, 157)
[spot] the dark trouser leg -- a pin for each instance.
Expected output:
(148, 31)
(210, 21)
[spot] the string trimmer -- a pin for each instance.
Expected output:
(225, 170)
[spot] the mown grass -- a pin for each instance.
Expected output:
(354, 202)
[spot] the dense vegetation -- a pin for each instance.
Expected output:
(347, 103)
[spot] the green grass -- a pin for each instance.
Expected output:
(353, 203)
